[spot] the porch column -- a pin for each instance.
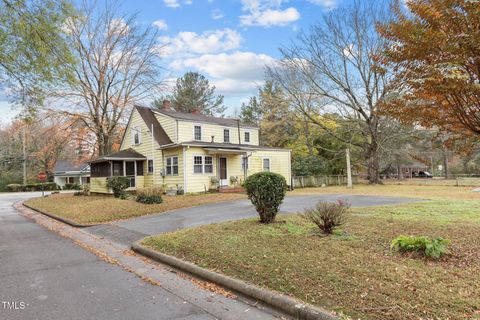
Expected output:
(124, 169)
(111, 168)
(135, 167)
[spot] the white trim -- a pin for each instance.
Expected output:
(201, 132)
(220, 173)
(249, 136)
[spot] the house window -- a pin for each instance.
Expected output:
(172, 166)
(139, 168)
(150, 166)
(136, 136)
(197, 133)
(244, 163)
(226, 135)
(197, 164)
(118, 168)
(208, 165)
(246, 136)
(70, 180)
(266, 164)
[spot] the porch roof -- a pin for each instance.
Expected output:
(127, 154)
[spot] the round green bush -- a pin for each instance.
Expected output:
(118, 185)
(149, 199)
(266, 190)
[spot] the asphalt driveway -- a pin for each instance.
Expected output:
(233, 210)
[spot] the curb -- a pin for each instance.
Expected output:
(61, 219)
(290, 306)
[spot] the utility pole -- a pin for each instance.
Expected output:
(349, 170)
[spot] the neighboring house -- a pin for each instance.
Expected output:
(71, 172)
(187, 151)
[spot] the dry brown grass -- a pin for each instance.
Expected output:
(405, 190)
(100, 209)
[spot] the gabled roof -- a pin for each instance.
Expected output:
(195, 117)
(127, 154)
(70, 166)
(150, 120)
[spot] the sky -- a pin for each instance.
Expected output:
(229, 41)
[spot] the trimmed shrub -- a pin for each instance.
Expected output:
(266, 190)
(14, 187)
(118, 186)
(72, 186)
(328, 215)
(430, 248)
(150, 195)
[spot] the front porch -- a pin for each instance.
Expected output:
(126, 163)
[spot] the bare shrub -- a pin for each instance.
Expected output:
(328, 215)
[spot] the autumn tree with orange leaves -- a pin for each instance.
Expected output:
(434, 49)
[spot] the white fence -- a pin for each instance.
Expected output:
(318, 181)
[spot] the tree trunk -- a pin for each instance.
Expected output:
(445, 163)
(373, 163)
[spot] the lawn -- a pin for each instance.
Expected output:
(100, 209)
(354, 272)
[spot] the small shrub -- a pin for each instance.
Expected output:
(118, 186)
(328, 215)
(150, 195)
(72, 186)
(266, 190)
(430, 248)
(86, 189)
(14, 187)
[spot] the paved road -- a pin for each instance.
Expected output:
(57, 279)
(226, 211)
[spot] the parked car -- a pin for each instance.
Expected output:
(422, 174)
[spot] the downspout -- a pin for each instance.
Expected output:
(184, 170)
(238, 126)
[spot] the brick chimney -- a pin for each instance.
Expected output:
(195, 111)
(166, 105)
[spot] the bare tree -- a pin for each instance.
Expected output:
(336, 67)
(117, 67)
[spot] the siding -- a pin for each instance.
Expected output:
(99, 185)
(172, 181)
(279, 162)
(169, 125)
(185, 132)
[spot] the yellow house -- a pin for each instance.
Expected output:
(187, 152)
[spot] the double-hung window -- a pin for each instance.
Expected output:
(266, 164)
(202, 164)
(197, 132)
(246, 136)
(172, 166)
(226, 135)
(136, 135)
(150, 166)
(197, 164)
(208, 168)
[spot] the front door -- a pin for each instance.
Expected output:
(130, 172)
(223, 172)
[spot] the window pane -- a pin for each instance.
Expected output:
(169, 170)
(208, 167)
(175, 161)
(247, 136)
(197, 168)
(150, 166)
(175, 170)
(197, 160)
(208, 160)
(169, 161)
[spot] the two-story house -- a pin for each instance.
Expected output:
(187, 151)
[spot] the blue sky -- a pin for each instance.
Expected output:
(229, 41)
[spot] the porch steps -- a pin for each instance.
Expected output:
(231, 190)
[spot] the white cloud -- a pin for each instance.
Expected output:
(176, 3)
(217, 14)
(329, 4)
(267, 13)
(235, 73)
(160, 24)
(171, 3)
(213, 41)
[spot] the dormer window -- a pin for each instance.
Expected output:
(226, 135)
(136, 136)
(197, 133)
